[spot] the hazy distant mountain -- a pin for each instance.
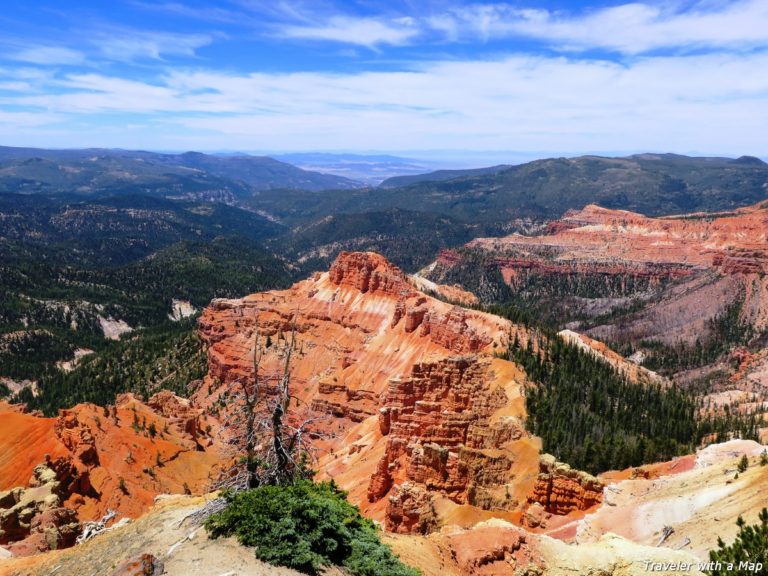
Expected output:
(369, 168)
(191, 175)
(440, 176)
(264, 173)
(653, 184)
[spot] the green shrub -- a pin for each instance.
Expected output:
(747, 555)
(306, 526)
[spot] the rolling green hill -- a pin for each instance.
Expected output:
(192, 175)
(545, 189)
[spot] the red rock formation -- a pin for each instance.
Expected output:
(141, 565)
(492, 550)
(615, 242)
(681, 272)
(440, 436)
(561, 489)
(377, 360)
(369, 272)
(97, 459)
(33, 519)
(411, 510)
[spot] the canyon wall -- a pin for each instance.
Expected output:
(422, 422)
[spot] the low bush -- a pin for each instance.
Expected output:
(306, 526)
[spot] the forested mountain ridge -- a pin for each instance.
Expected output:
(76, 273)
(113, 230)
(441, 176)
(190, 175)
(480, 202)
(408, 238)
(652, 184)
(648, 183)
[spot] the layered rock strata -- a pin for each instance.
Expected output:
(416, 409)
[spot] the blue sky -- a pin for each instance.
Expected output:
(536, 78)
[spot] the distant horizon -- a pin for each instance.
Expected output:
(534, 77)
(470, 158)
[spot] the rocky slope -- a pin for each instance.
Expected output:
(696, 496)
(423, 421)
(58, 472)
(644, 284)
(425, 424)
(162, 537)
(700, 497)
(493, 548)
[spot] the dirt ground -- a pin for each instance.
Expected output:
(185, 550)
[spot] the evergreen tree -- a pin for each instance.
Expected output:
(749, 549)
(743, 464)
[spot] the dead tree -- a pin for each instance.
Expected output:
(284, 461)
(250, 401)
(275, 450)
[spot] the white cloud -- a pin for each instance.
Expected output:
(15, 86)
(47, 56)
(128, 45)
(368, 32)
(712, 102)
(20, 121)
(630, 28)
(207, 13)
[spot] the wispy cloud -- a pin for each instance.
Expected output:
(515, 102)
(15, 86)
(682, 75)
(204, 13)
(127, 45)
(368, 32)
(48, 55)
(630, 28)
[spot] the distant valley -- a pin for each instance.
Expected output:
(110, 238)
(370, 169)
(498, 350)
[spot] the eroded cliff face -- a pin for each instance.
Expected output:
(57, 472)
(423, 421)
(733, 242)
(631, 280)
(560, 489)
(709, 259)
(449, 427)
(33, 519)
